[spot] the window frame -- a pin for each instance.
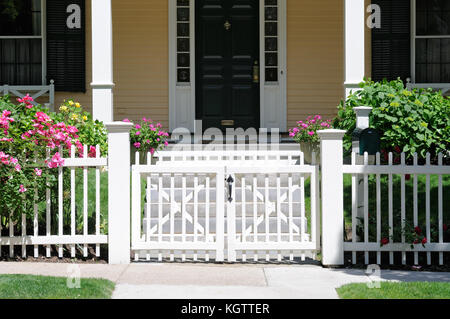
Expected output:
(43, 38)
(414, 38)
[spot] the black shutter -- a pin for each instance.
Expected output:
(66, 54)
(391, 44)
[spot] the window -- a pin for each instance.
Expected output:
(431, 38)
(183, 42)
(271, 39)
(21, 42)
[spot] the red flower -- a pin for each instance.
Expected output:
(445, 227)
(416, 241)
(408, 177)
(385, 241)
(397, 149)
(424, 241)
(417, 230)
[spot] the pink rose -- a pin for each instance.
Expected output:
(137, 145)
(22, 189)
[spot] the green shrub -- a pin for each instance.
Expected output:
(416, 121)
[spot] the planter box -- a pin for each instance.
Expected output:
(308, 149)
(142, 157)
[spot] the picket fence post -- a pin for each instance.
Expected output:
(331, 149)
(119, 192)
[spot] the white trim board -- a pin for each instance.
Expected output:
(273, 96)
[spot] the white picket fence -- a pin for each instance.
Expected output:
(190, 211)
(54, 216)
(238, 205)
(361, 208)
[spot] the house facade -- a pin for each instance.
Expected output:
(227, 63)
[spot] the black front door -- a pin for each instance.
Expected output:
(227, 63)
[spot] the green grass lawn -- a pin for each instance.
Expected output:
(39, 287)
(390, 290)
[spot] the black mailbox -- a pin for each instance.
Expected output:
(369, 140)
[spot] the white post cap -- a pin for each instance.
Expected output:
(331, 134)
(362, 116)
(118, 127)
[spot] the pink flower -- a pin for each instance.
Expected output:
(18, 168)
(27, 100)
(311, 133)
(56, 161)
(42, 117)
(166, 143)
(137, 145)
(38, 172)
(138, 133)
(152, 151)
(72, 129)
(4, 158)
(92, 152)
(22, 189)
(126, 120)
(138, 126)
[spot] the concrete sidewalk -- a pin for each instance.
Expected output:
(209, 281)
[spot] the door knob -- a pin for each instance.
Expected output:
(227, 25)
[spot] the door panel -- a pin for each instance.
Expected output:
(226, 56)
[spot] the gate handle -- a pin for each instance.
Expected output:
(230, 182)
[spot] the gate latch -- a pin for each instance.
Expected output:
(230, 182)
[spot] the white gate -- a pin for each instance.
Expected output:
(214, 205)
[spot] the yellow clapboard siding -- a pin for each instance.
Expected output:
(315, 67)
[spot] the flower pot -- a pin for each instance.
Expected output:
(142, 156)
(308, 148)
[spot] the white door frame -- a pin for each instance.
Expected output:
(273, 95)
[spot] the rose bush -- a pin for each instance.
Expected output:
(33, 143)
(91, 132)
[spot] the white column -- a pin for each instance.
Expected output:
(354, 44)
(102, 61)
(331, 146)
(119, 192)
